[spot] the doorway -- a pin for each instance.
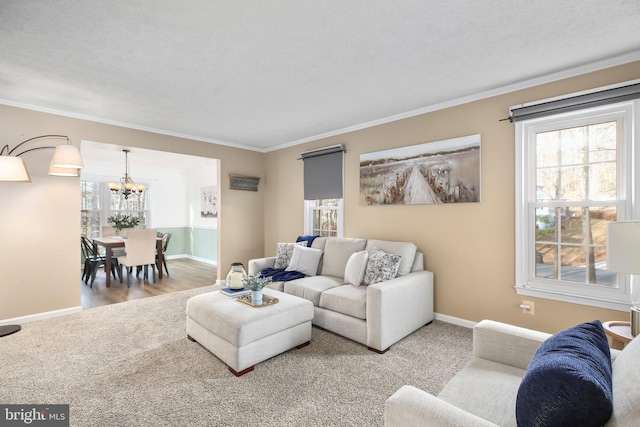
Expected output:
(179, 197)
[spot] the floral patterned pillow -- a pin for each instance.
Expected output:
(284, 251)
(381, 266)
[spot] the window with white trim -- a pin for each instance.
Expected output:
(574, 174)
(323, 191)
(324, 217)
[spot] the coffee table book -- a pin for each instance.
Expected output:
(234, 293)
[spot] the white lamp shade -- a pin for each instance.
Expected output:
(623, 247)
(56, 171)
(12, 169)
(67, 156)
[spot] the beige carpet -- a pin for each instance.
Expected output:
(131, 364)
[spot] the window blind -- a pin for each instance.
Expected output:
(323, 173)
(574, 103)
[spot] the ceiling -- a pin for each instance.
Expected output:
(268, 74)
(95, 154)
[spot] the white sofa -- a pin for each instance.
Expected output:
(484, 392)
(376, 315)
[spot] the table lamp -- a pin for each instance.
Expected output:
(623, 256)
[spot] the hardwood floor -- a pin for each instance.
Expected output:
(185, 274)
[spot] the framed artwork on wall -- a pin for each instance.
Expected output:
(446, 171)
(209, 202)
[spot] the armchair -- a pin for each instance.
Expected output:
(484, 392)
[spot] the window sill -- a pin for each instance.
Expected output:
(574, 299)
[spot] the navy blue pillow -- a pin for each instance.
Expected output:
(568, 382)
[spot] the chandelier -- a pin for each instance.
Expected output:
(126, 186)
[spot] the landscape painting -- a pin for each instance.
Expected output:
(446, 171)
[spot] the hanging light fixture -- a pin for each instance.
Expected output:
(66, 160)
(126, 186)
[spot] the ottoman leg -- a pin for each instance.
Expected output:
(238, 374)
(303, 345)
(191, 339)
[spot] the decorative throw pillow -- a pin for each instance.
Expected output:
(283, 254)
(305, 260)
(356, 267)
(381, 266)
(568, 382)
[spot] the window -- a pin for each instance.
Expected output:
(98, 203)
(324, 217)
(574, 175)
(323, 191)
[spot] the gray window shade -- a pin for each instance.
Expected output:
(574, 103)
(323, 173)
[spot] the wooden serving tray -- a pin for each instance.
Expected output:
(266, 300)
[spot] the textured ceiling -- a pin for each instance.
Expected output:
(264, 74)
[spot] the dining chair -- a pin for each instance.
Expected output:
(93, 261)
(140, 248)
(110, 231)
(165, 243)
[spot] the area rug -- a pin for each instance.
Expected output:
(131, 364)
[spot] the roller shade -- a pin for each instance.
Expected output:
(323, 173)
(579, 102)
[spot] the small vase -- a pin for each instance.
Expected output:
(256, 297)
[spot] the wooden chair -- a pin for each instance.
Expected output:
(165, 243)
(141, 251)
(93, 261)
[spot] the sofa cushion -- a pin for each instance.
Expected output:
(284, 251)
(337, 251)
(355, 268)
(467, 390)
(278, 286)
(310, 288)
(381, 266)
(346, 299)
(319, 243)
(406, 250)
(568, 381)
(305, 260)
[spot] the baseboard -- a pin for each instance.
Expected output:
(41, 316)
(195, 258)
(454, 320)
(55, 313)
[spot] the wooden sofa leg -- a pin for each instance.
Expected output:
(238, 374)
(375, 350)
(191, 339)
(303, 345)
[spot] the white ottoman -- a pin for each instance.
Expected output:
(241, 335)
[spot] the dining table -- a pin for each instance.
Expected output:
(111, 242)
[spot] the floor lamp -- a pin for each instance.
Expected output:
(66, 161)
(623, 256)
(9, 329)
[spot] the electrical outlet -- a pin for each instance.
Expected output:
(528, 307)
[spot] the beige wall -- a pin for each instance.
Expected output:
(40, 221)
(469, 247)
